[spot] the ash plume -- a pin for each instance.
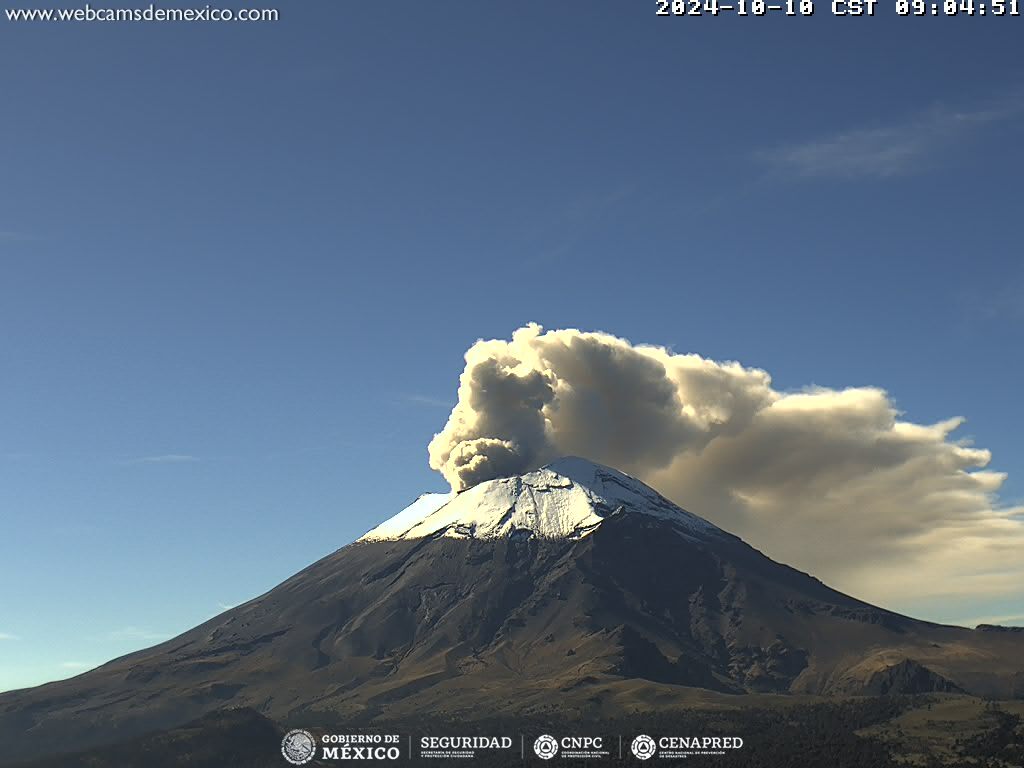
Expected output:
(834, 480)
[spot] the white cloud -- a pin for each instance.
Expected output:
(8, 636)
(77, 665)
(832, 481)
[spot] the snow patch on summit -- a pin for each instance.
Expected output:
(395, 527)
(567, 499)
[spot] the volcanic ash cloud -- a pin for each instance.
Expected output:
(832, 480)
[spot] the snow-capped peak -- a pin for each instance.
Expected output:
(568, 498)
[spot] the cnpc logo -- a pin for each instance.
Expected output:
(547, 746)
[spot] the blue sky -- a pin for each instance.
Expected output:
(240, 265)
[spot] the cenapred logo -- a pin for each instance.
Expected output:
(298, 746)
(545, 747)
(643, 747)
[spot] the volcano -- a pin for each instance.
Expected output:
(574, 587)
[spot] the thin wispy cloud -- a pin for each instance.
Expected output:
(10, 236)
(7, 636)
(15, 455)
(994, 304)
(1007, 300)
(887, 150)
(137, 633)
(1012, 620)
(165, 458)
(576, 220)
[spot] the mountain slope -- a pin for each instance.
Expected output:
(232, 737)
(574, 586)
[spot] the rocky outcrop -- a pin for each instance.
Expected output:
(908, 677)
